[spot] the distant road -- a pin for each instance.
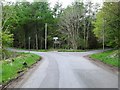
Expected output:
(67, 70)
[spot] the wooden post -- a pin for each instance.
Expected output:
(84, 34)
(45, 35)
(103, 34)
(36, 41)
(29, 44)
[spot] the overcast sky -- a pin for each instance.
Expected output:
(65, 3)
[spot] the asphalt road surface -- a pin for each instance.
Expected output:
(67, 70)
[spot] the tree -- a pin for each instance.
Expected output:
(76, 23)
(90, 41)
(6, 38)
(57, 10)
(29, 21)
(70, 23)
(108, 19)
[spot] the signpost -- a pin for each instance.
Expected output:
(55, 38)
(56, 41)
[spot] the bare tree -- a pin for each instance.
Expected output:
(70, 23)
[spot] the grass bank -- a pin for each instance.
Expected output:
(13, 66)
(108, 57)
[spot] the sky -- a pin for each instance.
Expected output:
(65, 3)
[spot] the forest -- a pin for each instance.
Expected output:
(35, 25)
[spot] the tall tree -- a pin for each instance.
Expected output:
(76, 23)
(108, 20)
(70, 23)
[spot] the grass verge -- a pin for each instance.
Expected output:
(13, 66)
(108, 57)
(69, 50)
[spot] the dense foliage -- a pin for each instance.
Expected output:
(108, 19)
(76, 23)
(73, 25)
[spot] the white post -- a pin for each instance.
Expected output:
(103, 34)
(45, 35)
(84, 34)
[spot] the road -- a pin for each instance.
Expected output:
(67, 70)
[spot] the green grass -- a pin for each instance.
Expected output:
(59, 50)
(39, 50)
(42, 50)
(107, 57)
(69, 50)
(10, 71)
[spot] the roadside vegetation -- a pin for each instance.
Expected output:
(108, 57)
(11, 67)
(80, 26)
(69, 50)
(59, 50)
